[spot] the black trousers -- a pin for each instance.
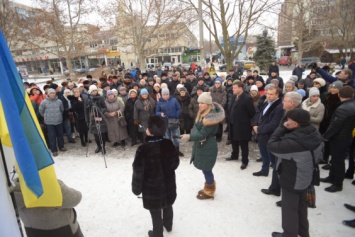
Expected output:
(294, 214)
(275, 182)
(159, 221)
(338, 150)
(98, 141)
(245, 150)
(220, 131)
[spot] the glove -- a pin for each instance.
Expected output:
(136, 122)
(314, 66)
(185, 137)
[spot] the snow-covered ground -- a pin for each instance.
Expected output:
(109, 208)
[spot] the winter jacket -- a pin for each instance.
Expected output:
(274, 69)
(51, 111)
(77, 107)
(208, 81)
(154, 168)
(143, 113)
(51, 221)
(65, 102)
(331, 103)
(203, 134)
(129, 114)
(298, 72)
(116, 132)
(293, 149)
(96, 108)
(37, 98)
(268, 122)
(193, 107)
(171, 108)
(205, 89)
(281, 81)
(342, 123)
(255, 68)
(219, 95)
(241, 113)
(316, 110)
(186, 122)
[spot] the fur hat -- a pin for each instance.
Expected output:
(313, 91)
(92, 88)
(144, 92)
(300, 116)
(200, 88)
(205, 98)
(53, 86)
(156, 126)
(110, 92)
(337, 84)
(254, 88)
(132, 90)
(163, 85)
(165, 91)
(51, 90)
(321, 81)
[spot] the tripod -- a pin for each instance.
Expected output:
(96, 114)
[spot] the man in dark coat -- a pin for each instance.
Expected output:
(274, 75)
(266, 120)
(296, 143)
(298, 71)
(291, 100)
(154, 176)
(241, 113)
(273, 68)
(339, 135)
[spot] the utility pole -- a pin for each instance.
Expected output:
(202, 51)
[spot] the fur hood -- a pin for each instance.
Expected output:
(214, 117)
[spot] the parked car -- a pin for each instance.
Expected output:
(80, 70)
(167, 65)
(308, 61)
(285, 60)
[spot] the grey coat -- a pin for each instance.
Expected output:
(142, 114)
(52, 111)
(49, 221)
(116, 132)
(219, 95)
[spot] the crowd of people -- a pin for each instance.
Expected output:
(291, 121)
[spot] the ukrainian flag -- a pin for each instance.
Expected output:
(19, 129)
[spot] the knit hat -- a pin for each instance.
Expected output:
(218, 79)
(165, 91)
(300, 116)
(92, 88)
(205, 98)
(313, 91)
(51, 90)
(114, 90)
(254, 88)
(66, 90)
(301, 92)
(132, 90)
(321, 81)
(144, 92)
(156, 84)
(53, 86)
(290, 82)
(337, 84)
(294, 78)
(110, 92)
(163, 85)
(156, 126)
(80, 85)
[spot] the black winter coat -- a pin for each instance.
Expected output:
(241, 113)
(128, 114)
(78, 108)
(96, 108)
(268, 122)
(154, 173)
(342, 123)
(186, 122)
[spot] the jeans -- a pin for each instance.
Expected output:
(267, 157)
(67, 128)
(159, 222)
(55, 134)
(174, 135)
(209, 177)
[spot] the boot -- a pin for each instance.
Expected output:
(83, 144)
(208, 192)
(133, 141)
(123, 143)
(98, 149)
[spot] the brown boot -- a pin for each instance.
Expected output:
(207, 192)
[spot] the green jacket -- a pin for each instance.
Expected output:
(203, 134)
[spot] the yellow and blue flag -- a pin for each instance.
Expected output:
(19, 129)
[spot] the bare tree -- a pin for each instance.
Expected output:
(145, 26)
(10, 23)
(61, 23)
(232, 20)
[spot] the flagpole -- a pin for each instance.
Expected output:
(9, 185)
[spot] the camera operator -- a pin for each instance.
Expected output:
(95, 109)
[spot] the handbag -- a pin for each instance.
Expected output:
(311, 196)
(173, 123)
(121, 120)
(316, 175)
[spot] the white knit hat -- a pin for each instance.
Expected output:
(205, 98)
(92, 88)
(254, 88)
(313, 91)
